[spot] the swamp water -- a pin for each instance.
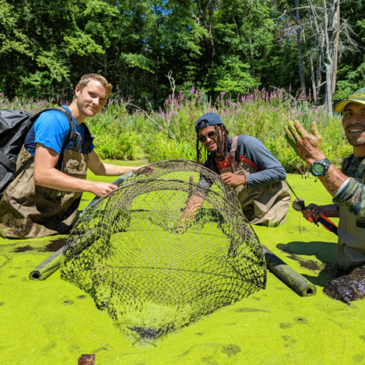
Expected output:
(273, 326)
(154, 281)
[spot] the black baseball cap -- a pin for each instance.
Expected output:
(209, 119)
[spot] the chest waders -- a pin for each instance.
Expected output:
(351, 235)
(28, 210)
(265, 205)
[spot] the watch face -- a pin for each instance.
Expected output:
(318, 168)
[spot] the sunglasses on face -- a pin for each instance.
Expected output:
(202, 138)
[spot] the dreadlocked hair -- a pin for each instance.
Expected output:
(224, 145)
(199, 149)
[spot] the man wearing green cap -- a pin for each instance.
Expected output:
(347, 186)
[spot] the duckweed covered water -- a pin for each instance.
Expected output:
(153, 279)
(274, 326)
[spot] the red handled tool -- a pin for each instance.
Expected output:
(299, 205)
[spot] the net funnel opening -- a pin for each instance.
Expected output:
(129, 253)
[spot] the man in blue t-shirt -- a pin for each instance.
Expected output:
(46, 138)
(43, 198)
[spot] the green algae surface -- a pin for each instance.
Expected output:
(149, 278)
(54, 322)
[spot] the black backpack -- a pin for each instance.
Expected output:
(14, 127)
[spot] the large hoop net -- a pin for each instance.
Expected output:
(153, 267)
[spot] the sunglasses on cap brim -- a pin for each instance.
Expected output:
(203, 137)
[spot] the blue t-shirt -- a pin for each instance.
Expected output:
(51, 130)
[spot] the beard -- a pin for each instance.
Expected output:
(360, 141)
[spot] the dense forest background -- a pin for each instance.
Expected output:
(233, 46)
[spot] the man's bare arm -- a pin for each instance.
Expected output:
(307, 146)
(193, 207)
(45, 174)
(105, 169)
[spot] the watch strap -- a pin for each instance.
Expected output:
(324, 162)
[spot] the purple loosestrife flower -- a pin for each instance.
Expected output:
(192, 91)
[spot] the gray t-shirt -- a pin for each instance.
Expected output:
(269, 171)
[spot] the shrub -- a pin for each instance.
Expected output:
(170, 133)
(160, 147)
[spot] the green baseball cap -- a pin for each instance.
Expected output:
(358, 97)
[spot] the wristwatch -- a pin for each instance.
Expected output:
(319, 168)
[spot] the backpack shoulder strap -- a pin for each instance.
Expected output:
(71, 135)
(68, 115)
(232, 153)
(4, 160)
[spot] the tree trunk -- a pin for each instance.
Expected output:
(319, 43)
(313, 79)
(319, 71)
(299, 42)
(328, 61)
(334, 33)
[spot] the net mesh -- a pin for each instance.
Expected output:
(155, 271)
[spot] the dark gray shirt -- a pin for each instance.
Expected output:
(270, 169)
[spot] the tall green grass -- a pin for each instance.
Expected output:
(123, 131)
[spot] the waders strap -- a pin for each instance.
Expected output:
(73, 146)
(233, 154)
(88, 140)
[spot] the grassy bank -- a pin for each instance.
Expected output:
(125, 132)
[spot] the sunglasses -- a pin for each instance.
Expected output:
(202, 138)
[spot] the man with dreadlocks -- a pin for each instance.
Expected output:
(244, 163)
